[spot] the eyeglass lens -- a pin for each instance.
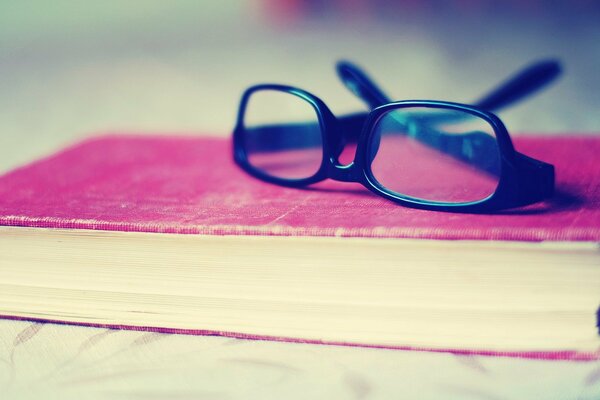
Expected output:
(435, 154)
(282, 135)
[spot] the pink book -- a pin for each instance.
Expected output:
(167, 234)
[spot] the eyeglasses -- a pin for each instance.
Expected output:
(425, 154)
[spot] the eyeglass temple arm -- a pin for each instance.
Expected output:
(357, 81)
(520, 85)
(300, 135)
(525, 82)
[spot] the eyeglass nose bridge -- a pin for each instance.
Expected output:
(343, 173)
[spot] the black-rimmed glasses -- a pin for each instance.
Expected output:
(427, 154)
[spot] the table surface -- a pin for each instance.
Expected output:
(181, 70)
(70, 362)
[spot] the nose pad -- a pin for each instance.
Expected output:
(344, 151)
(338, 143)
(347, 154)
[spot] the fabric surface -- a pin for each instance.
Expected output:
(191, 185)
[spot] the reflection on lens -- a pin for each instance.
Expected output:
(282, 135)
(435, 154)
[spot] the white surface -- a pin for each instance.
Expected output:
(61, 362)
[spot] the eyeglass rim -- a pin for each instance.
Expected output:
(505, 149)
(326, 123)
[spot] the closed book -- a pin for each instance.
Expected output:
(165, 233)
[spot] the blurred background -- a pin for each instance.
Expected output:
(69, 70)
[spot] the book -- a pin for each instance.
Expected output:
(165, 233)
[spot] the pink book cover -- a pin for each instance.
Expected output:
(190, 185)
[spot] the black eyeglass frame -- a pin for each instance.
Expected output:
(522, 180)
